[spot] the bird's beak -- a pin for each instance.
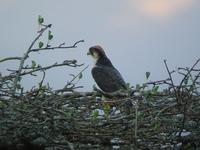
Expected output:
(88, 53)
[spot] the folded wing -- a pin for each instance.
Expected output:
(108, 79)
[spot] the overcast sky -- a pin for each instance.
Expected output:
(136, 35)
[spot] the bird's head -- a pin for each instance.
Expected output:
(96, 52)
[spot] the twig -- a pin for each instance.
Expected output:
(25, 57)
(57, 47)
(75, 44)
(43, 77)
(172, 82)
(79, 74)
(159, 82)
(51, 66)
(136, 121)
(189, 93)
(186, 69)
(189, 71)
(70, 82)
(165, 108)
(10, 58)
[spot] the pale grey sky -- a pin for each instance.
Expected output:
(136, 35)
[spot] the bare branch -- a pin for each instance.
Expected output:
(172, 82)
(49, 67)
(10, 58)
(57, 47)
(43, 77)
(66, 88)
(79, 73)
(159, 82)
(25, 57)
(75, 44)
(189, 71)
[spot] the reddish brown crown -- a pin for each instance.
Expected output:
(98, 49)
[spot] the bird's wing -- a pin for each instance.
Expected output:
(108, 78)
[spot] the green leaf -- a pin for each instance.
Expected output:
(155, 89)
(33, 65)
(138, 87)
(95, 115)
(40, 44)
(147, 94)
(186, 80)
(20, 78)
(106, 109)
(157, 126)
(40, 20)
(18, 86)
(50, 36)
(2, 104)
(147, 74)
(128, 85)
(80, 76)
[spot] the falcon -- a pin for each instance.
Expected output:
(106, 76)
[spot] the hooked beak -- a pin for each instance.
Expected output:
(88, 53)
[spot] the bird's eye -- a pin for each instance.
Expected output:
(91, 50)
(94, 51)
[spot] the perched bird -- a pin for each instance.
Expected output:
(104, 73)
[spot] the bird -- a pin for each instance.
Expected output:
(106, 76)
